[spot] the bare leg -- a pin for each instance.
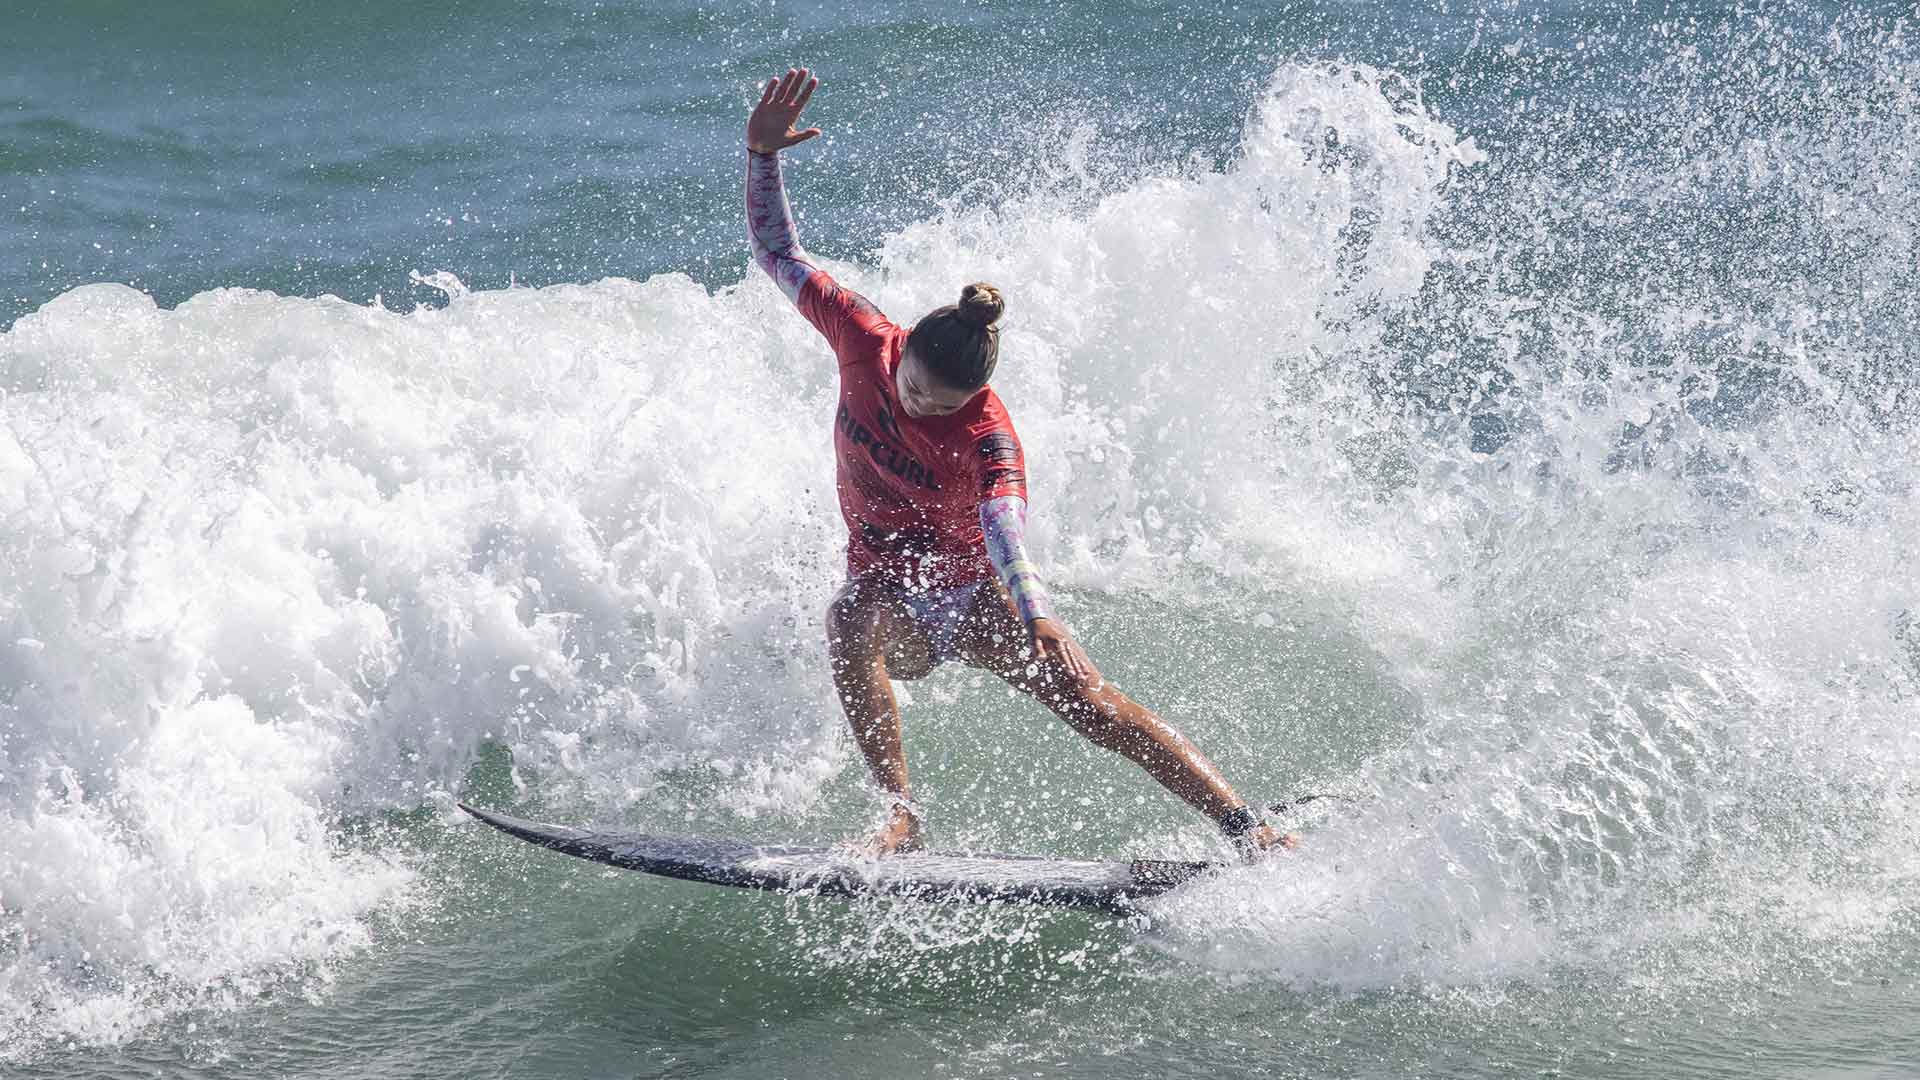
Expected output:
(866, 624)
(994, 638)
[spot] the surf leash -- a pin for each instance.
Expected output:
(1288, 806)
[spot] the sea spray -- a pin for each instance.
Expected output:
(1652, 566)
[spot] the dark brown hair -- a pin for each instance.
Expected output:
(959, 342)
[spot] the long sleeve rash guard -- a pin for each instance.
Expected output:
(929, 501)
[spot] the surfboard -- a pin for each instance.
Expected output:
(1113, 887)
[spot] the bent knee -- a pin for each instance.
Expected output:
(862, 623)
(851, 616)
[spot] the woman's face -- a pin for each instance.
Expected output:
(921, 392)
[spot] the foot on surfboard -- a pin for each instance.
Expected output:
(1262, 841)
(1266, 839)
(898, 836)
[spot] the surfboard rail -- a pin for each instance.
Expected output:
(1115, 887)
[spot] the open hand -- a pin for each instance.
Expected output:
(1052, 642)
(770, 126)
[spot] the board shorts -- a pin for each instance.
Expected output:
(939, 612)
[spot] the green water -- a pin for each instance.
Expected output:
(511, 961)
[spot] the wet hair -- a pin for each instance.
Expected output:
(959, 343)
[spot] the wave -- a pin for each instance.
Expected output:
(272, 562)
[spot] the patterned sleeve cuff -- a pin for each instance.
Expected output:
(1003, 522)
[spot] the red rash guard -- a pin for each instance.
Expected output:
(910, 487)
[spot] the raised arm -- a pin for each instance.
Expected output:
(770, 226)
(839, 313)
(770, 233)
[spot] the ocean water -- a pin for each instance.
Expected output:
(1500, 414)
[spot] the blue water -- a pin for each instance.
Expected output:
(314, 152)
(1502, 414)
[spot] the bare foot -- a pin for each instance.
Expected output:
(1267, 838)
(898, 836)
(1264, 839)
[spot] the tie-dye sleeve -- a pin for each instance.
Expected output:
(839, 313)
(1003, 522)
(776, 247)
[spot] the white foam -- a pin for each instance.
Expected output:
(273, 560)
(1657, 660)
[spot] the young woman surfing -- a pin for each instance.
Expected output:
(932, 485)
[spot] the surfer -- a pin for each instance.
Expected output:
(932, 484)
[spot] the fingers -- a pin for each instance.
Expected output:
(1084, 669)
(802, 136)
(1066, 654)
(1070, 658)
(1078, 662)
(796, 88)
(790, 91)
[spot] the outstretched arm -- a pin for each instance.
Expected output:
(770, 227)
(770, 232)
(1003, 523)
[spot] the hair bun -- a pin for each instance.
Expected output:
(981, 305)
